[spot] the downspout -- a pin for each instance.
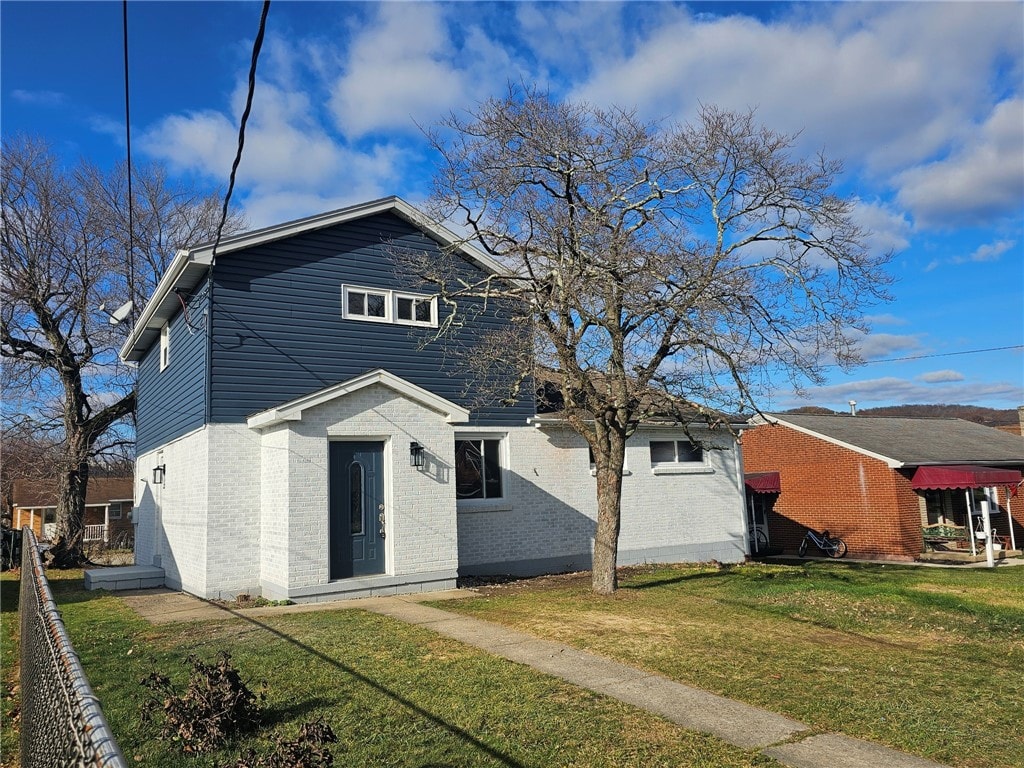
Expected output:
(744, 512)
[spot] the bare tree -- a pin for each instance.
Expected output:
(65, 252)
(656, 269)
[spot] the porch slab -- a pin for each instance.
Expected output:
(124, 577)
(965, 556)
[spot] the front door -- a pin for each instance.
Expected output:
(357, 513)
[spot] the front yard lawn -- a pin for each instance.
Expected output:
(926, 660)
(395, 695)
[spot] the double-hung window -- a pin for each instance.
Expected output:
(478, 468)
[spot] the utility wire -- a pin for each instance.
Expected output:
(940, 354)
(257, 45)
(131, 199)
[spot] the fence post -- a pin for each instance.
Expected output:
(61, 719)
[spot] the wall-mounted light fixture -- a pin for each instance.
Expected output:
(415, 455)
(158, 474)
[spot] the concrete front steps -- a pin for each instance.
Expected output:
(125, 577)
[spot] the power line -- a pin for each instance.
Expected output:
(942, 354)
(128, 144)
(257, 45)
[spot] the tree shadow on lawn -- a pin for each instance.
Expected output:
(681, 578)
(454, 730)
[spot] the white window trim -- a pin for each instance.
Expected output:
(165, 345)
(391, 298)
(346, 289)
(502, 504)
(432, 323)
(110, 510)
(626, 472)
(680, 467)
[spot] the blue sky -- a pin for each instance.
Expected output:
(924, 103)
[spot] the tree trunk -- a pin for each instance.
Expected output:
(68, 549)
(604, 578)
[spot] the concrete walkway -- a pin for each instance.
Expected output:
(786, 740)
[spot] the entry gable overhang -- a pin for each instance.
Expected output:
(189, 267)
(292, 411)
(962, 476)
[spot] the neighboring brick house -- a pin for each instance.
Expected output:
(877, 481)
(300, 435)
(108, 508)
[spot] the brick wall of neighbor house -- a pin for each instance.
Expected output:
(421, 550)
(549, 518)
(826, 486)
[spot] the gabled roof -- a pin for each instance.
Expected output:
(292, 411)
(911, 442)
(100, 490)
(188, 267)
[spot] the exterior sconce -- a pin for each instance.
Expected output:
(158, 474)
(416, 455)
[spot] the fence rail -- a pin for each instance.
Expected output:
(61, 720)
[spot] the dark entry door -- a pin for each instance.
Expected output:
(357, 514)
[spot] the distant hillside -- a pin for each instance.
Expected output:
(990, 417)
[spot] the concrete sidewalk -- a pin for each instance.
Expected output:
(788, 741)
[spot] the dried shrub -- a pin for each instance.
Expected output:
(309, 750)
(215, 706)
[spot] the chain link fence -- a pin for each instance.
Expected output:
(61, 721)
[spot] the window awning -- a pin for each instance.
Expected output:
(763, 482)
(963, 476)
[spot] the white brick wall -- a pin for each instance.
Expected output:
(419, 504)
(171, 517)
(246, 510)
(550, 521)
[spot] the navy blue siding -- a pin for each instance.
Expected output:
(278, 332)
(172, 402)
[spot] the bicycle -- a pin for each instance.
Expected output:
(832, 546)
(758, 539)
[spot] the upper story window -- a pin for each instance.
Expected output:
(385, 306)
(165, 346)
(674, 452)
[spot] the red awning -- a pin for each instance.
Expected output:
(963, 476)
(763, 482)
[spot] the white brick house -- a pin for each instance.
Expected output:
(297, 440)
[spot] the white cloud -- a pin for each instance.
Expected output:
(991, 251)
(870, 393)
(875, 346)
(889, 83)
(885, 319)
(889, 230)
(406, 68)
(979, 181)
(941, 377)
(39, 98)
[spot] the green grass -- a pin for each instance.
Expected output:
(396, 695)
(9, 629)
(929, 661)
